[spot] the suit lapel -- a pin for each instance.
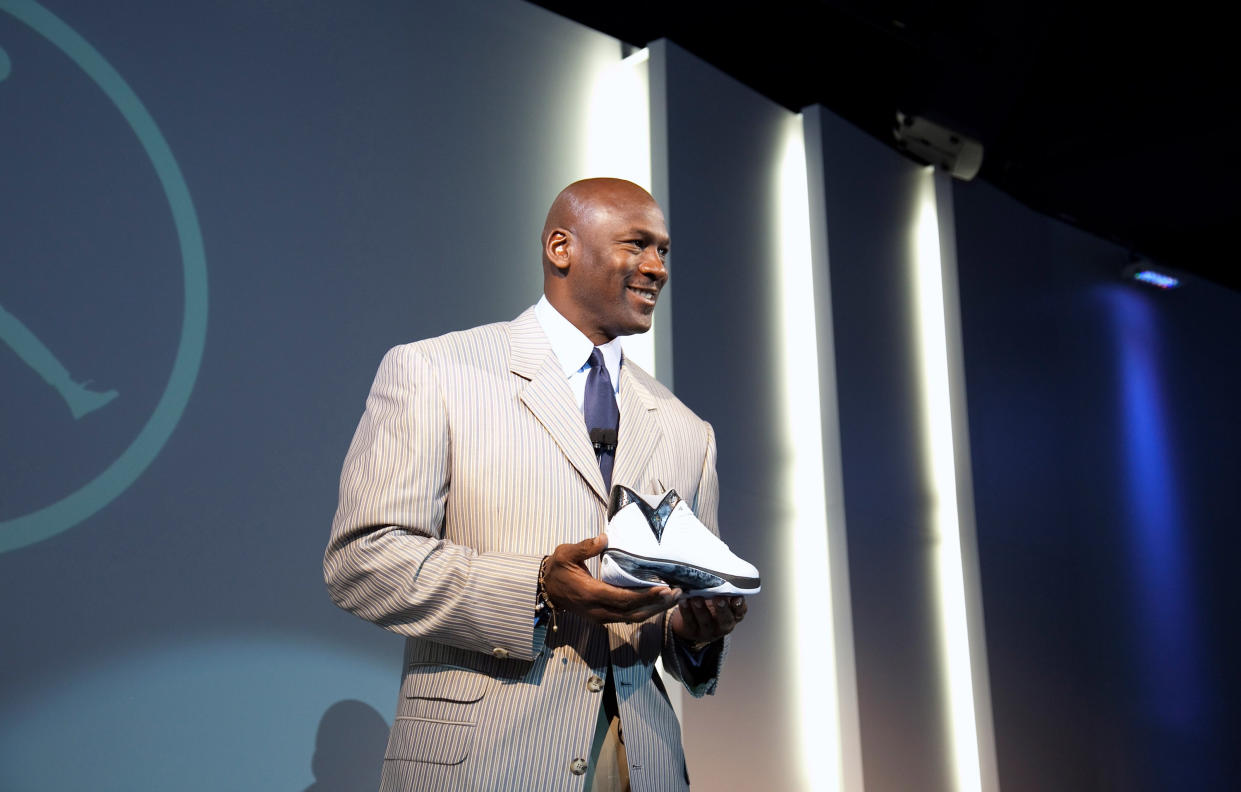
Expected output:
(639, 431)
(548, 397)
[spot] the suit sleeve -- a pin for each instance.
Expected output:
(700, 680)
(387, 560)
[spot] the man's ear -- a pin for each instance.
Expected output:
(558, 248)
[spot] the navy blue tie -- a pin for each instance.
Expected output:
(602, 415)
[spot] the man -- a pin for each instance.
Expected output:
(472, 499)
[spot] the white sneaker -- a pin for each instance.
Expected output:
(655, 540)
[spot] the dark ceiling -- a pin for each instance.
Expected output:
(1122, 122)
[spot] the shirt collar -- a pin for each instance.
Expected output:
(572, 347)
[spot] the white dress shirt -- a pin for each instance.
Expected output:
(573, 349)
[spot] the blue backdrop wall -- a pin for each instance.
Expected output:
(1106, 451)
(360, 174)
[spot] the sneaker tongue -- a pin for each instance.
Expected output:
(659, 499)
(658, 516)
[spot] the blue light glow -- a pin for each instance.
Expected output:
(1170, 660)
(1156, 279)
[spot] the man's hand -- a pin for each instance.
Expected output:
(570, 586)
(699, 621)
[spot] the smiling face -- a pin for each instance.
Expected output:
(605, 247)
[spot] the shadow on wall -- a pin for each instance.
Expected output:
(349, 748)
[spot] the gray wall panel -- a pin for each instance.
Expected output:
(871, 203)
(723, 147)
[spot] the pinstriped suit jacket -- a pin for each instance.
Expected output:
(472, 462)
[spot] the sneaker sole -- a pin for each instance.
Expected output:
(633, 571)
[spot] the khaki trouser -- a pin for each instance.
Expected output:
(609, 767)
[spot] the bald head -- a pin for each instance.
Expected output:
(581, 201)
(604, 247)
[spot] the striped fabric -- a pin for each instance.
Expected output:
(469, 465)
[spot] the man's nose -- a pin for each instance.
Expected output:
(652, 265)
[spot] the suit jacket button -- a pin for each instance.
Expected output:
(499, 653)
(594, 684)
(577, 767)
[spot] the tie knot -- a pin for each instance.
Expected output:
(596, 359)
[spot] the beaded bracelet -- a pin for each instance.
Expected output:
(544, 600)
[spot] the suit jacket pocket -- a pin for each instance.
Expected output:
(437, 714)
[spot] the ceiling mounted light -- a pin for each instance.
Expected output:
(939, 146)
(1143, 271)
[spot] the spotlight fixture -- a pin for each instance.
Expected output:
(936, 145)
(1144, 271)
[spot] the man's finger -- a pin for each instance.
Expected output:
(689, 617)
(739, 607)
(598, 597)
(725, 621)
(646, 613)
(635, 616)
(632, 605)
(588, 548)
(620, 597)
(703, 618)
(640, 599)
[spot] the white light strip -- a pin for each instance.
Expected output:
(942, 487)
(809, 599)
(618, 144)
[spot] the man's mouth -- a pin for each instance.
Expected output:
(647, 296)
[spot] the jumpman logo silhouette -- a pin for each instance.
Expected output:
(80, 398)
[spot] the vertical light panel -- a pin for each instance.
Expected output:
(850, 773)
(809, 592)
(618, 144)
(941, 490)
(618, 139)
